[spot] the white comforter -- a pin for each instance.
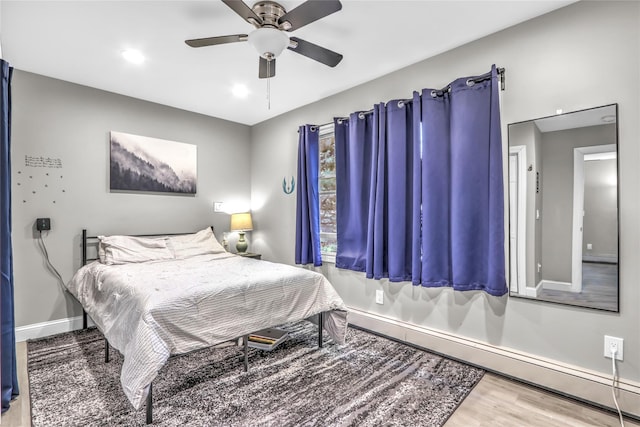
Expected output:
(150, 311)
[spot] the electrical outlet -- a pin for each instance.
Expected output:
(43, 224)
(379, 296)
(613, 342)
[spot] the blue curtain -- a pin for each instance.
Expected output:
(308, 202)
(420, 191)
(393, 211)
(8, 374)
(378, 213)
(353, 139)
(462, 187)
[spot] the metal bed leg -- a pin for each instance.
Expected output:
(149, 405)
(84, 319)
(320, 321)
(245, 340)
(106, 351)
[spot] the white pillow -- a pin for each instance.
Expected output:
(201, 243)
(128, 249)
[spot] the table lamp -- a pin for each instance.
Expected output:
(241, 222)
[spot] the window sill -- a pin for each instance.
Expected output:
(329, 258)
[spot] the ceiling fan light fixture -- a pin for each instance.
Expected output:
(269, 42)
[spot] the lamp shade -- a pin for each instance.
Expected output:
(241, 222)
(269, 42)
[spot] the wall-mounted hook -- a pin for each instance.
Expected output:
(288, 189)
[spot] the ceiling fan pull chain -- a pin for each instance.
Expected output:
(269, 85)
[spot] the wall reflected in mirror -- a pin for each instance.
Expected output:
(563, 208)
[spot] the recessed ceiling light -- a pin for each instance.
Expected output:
(133, 56)
(240, 91)
(609, 119)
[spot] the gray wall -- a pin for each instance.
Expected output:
(578, 57)
(60, 120)
(600, 210)
(557, 194)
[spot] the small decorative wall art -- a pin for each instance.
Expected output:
(288, 188)
(140, 163)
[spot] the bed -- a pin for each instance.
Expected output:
(157, 296)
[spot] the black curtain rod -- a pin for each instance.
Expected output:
(499, 70)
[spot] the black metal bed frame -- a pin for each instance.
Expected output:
(245, 338)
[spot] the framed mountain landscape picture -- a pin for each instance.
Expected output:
(140, 163)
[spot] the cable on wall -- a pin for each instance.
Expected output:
(613, 384)
(50, 266)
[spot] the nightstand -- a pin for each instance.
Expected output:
(250, 255)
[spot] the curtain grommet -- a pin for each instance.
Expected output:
(361, 115)
(400, 104)
(470, 82)
(434, 94)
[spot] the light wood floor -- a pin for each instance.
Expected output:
(599, 288)
(494, 402)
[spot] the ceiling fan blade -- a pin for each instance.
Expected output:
(313, 51)
(244, 11)
(267, 68)
(308, 12)
(210, 41)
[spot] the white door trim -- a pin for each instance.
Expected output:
(519, 280)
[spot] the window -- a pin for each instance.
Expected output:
(327, 188)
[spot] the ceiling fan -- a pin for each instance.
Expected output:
(272, 21)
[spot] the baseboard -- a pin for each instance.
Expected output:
(533, 292)
(556, 286)
(573, 381)
(44, 329)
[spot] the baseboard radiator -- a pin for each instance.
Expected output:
(572, 381)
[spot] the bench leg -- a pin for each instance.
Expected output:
(106, 351)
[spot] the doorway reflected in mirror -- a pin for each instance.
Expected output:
(563, 208)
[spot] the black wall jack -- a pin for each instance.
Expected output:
(43, 224)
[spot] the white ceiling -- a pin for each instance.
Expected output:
(82, 41)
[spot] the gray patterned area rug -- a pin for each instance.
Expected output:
(369, 381)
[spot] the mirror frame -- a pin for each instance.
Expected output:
(508, 208)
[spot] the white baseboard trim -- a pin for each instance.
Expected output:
(556, 286)
(44, 329)
(583, 384)
(534, 292)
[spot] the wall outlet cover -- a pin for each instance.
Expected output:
(618, 343)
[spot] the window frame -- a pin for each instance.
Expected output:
(323, 132)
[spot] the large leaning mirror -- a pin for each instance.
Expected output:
(563, 208)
